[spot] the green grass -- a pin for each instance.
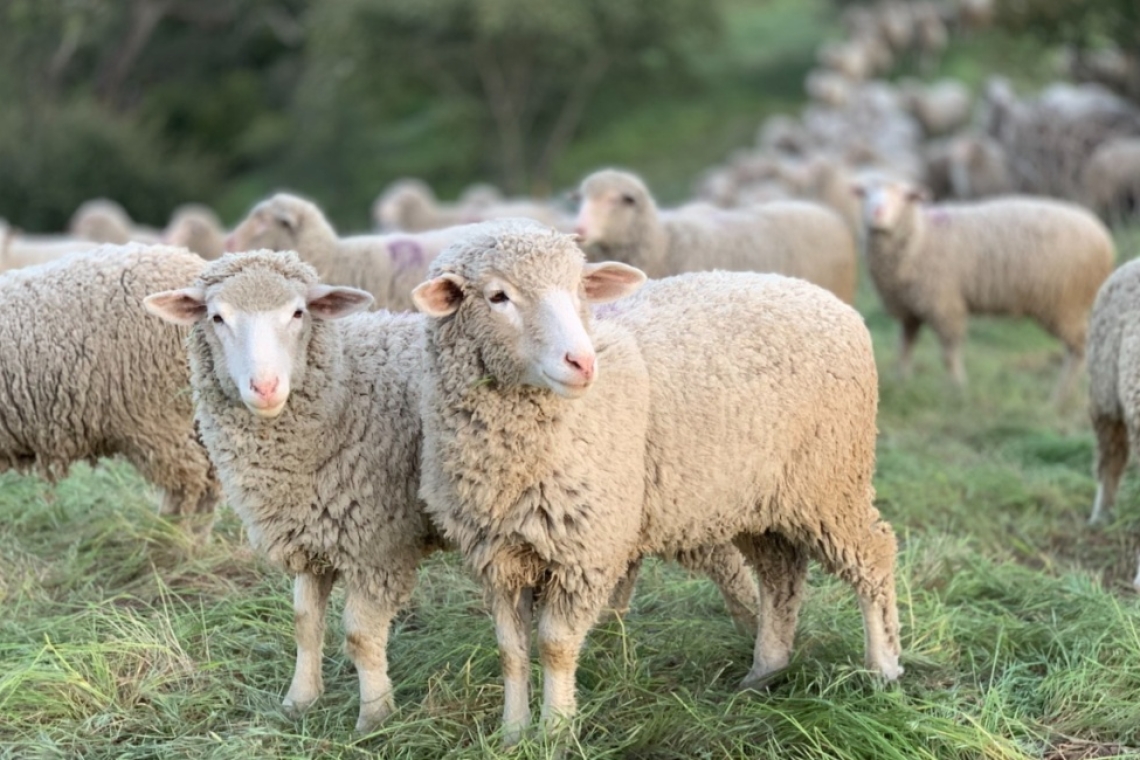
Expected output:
(1021, 632)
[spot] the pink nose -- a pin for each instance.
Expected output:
(264, 388)
(583, 364)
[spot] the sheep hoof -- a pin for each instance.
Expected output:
(763, 683)
(295, 708)
(369, 721)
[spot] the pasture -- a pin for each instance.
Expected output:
(1021, 630)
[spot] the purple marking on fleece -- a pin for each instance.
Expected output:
(937, 217)
(406, 254)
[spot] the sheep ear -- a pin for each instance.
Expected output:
(180, 307)
(439, 297)
(327, 302)
(608, 281)
(287, 217)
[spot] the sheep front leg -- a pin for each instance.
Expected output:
(907, 337)
(367, 622)
(310, 599)
(512, 616)
(562, 627)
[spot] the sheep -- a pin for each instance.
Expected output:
(311, 414)
(104, 221)
(81, 379)
(851, 60)
(1111, 178)
(828, 88)
(548, 473)
(1114, 384)
(20, 250)
(1027, 256)
(940, 107)
(387, 266)
(978, 167)
(198, 229)
(619, 219)
(409, 205)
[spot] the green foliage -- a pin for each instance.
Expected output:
(1083, 23)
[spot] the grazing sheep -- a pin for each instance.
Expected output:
(1114, 383)
(312, 418)
(619, 219)
(612, 436)
(1111, 178)
(104, 221)
(1014, 256)
(82, 378)
(409, 205)
(387, 266)
(940, 107)
(198, 229)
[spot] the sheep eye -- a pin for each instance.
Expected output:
(218, 319)
(628, 199)
(498, 297)
(298, 314)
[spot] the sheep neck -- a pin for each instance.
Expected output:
(889, 252)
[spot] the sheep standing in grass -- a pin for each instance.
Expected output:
(387, 266)
(711, 407)
(618, 219)
(82, 378)
(311, 416)
(1114, 383)
(1013, 256)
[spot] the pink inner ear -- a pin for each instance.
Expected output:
(184, 307)
(333, 303)
(610, 281)
(438, 297)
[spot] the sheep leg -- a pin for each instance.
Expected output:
(728, 569)
(512, 616)
(310, 599)
(1111, 459)
(623, 592)
(867, 562)
(562, 627)
(908, 335)
(781, 567)
(952, 357)
(367, 622)
(1074, 358)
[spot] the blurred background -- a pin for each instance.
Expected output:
(159, 102)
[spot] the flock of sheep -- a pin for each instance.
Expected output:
(557, 396)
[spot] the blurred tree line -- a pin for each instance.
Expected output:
(157, 102)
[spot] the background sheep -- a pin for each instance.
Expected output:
(105, 221)
(82, 378)
(619, 219)
(387, 266)
(1112, 178)
(314, 426)
(409, 205)
(1017, 256)
(198, 229)
(573, 450)
(1114, 383)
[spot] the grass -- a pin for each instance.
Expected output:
(1021, 632)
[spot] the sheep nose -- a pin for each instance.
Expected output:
(582, 363)
(264, 388)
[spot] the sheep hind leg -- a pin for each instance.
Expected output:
(781, 569)
(512, 615)
(1111, 459)
(310, 599)
(867, 562)
(726, 566)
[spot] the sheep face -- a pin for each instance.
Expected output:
(257, 325)
(885, 203)
(613, 205)
(274, 224)
(525, 310)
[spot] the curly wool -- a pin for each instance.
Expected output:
(331, 483)
(792, 238)
(86, 374)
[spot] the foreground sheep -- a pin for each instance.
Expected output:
(1014, 256)
(387, 266)
(556, 447)
(311, 415)
(618, 219)
(83, 378)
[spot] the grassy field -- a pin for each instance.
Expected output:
(1021, 632)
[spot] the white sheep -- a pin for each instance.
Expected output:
(1114, 383)
(618, 219)
(710, 407)
(828, 87)
(387, 266)
(1111, 178)
(978, 167)
(104, 221)
(1015, 256)
(410, 205)
(940, 107)
(21, 250)
(196, 228)
(83, 379)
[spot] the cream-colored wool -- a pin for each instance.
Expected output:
(105, 221)
(198, 229)
(387, 266)
(619, 220)
(1111, 178)
(691, 435)
(84, 376)
(410, 205)
(1015, 256)
(1114, 383)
